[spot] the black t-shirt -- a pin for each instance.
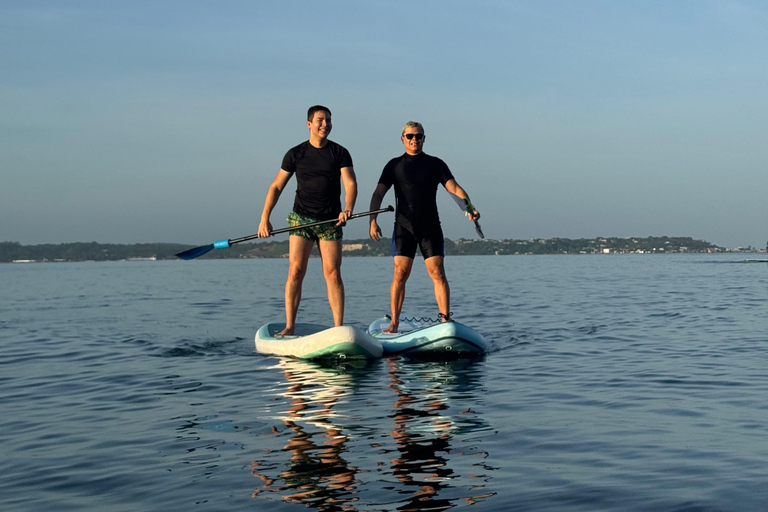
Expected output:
(318, 178)
(415, 178)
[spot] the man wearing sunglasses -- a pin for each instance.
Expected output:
(415, 176)
(320, 165)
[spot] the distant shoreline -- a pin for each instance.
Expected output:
(14, 252)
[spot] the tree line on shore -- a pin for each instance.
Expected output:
(79, 251)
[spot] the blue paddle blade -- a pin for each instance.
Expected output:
(191, 254)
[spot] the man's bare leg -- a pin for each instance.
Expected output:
(403, 266)
(330, 251)
(442, 289)
(298, 257)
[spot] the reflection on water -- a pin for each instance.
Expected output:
(317, 473)
(425, 431)
(416, 451)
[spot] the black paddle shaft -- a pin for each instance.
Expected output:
(312, 224)
(195, 252)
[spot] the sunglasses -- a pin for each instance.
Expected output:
(418, 136)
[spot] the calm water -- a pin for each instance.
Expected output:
(626, 383)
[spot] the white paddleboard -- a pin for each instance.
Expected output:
(314, 341)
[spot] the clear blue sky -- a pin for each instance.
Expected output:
(165, 121)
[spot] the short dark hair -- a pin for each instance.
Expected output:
(316, 108)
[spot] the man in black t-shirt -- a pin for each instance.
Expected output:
(319, 165)
(415, 176)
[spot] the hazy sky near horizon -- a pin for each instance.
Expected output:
(166, 121)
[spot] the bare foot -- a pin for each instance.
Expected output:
(285, 332)
(392, 329)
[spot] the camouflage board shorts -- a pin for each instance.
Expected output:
(329, 231)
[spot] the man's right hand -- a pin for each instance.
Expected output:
(265, 228)
(375, 230)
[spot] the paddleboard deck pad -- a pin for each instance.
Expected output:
(314, 341)
(427, 339)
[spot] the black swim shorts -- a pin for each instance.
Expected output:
(431, 243)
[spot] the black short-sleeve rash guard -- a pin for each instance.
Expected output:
(415, 178)
(318, 178)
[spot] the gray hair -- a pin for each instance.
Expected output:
(412, 124)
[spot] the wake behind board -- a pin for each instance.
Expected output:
(425, 339)
(313, 341)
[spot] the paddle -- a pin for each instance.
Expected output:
(465, 205)
(191, 254)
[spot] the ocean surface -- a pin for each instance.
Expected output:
(615, 383)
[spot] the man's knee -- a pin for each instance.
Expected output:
(438, 276)
(436, 270)
(332, 273)
(331, 266)
(402, 272)
(296, 272)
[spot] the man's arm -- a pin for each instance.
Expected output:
(376, 199)
(350, 193)
(454, 188)
(273, 194)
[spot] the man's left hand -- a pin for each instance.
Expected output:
(344, 217)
